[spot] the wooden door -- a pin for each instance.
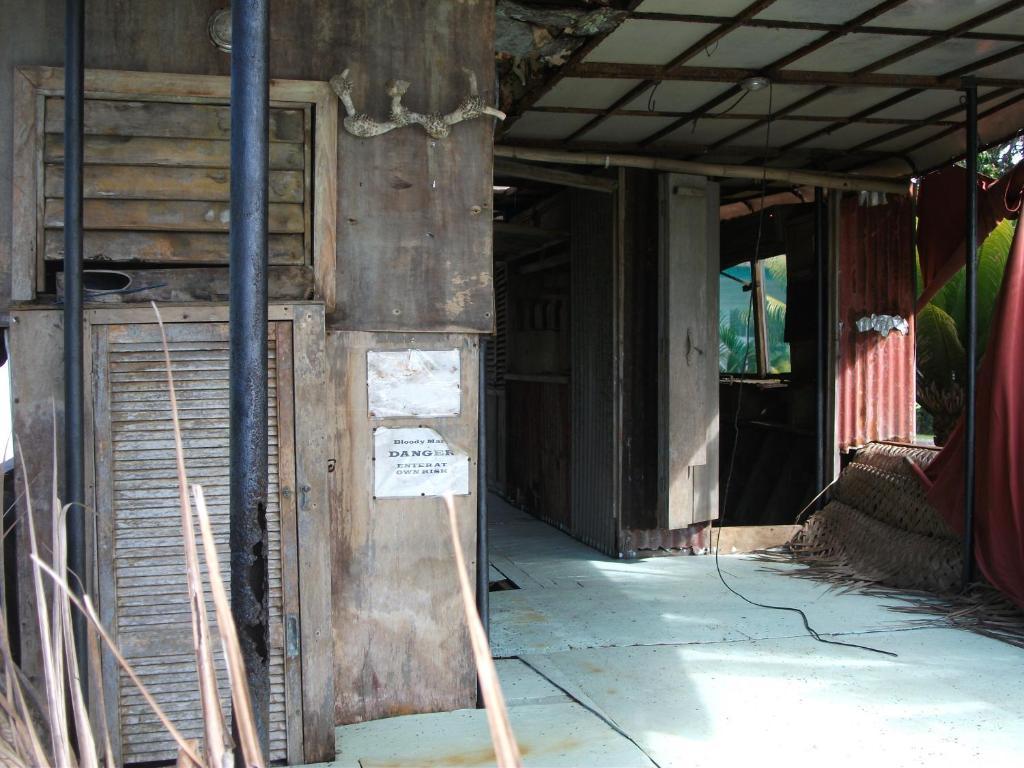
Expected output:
(140, 555)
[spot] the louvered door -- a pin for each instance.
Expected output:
(140, 558)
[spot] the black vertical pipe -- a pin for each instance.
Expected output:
(821, 362)
(248, 347)
(971, 288)
(483, 580)
(74, 361)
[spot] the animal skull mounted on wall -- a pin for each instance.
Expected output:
(436, 125)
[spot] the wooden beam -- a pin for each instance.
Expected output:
(707, 40)
(629, 71)
(733, 116)
(956, 73)
(715, 170)
(504, 167)
(789, 58)
(870, 69)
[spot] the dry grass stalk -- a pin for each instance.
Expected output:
(213, 717)
(21, 741)
(506, 750)
(246, 723)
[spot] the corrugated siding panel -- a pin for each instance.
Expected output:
(876, 376)
(153, 620)
(592, 449)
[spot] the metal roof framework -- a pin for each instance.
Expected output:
(862, 85)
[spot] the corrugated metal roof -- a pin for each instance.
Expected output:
(835, 127)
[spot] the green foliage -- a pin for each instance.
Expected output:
(942, 332)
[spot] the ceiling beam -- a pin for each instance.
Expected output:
(956, 73)
(815, 26)
(626, 71)
(706, 41)
(733, 116)
(796, 177)
(511, 169)
(870, 69)
(936, 119)
(799, 53)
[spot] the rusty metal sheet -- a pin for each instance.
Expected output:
(875, 393)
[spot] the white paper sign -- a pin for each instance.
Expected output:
(416, 461)
(413, 382)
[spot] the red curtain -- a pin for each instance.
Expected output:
(941, 225)
(999, 493)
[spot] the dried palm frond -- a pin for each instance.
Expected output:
(506, 750)
(879, 535)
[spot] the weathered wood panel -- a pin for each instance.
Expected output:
(414, 224)
(688, 344)
(170, 215)
(168, 247)
(414, 214)
(197, 284)
(37, 397)
(168, 120)
(137, 182)
(144, 150)
(313, 446)
(400, 637)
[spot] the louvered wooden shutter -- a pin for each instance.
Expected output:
(141, 556)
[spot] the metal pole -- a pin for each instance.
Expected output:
(971, 288)
(821, 367)
(483, 581)
(248, 347)
(74, 361)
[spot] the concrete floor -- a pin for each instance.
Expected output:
(696, 677)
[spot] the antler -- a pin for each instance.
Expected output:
(437, 126)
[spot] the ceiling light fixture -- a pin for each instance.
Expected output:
(755, 83)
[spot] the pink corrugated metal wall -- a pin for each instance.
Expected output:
(876, 376)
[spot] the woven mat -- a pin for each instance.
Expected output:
(879, 534)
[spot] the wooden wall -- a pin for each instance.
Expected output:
(414, 214)
(399, 631)
(414, 255)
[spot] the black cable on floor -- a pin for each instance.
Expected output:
(594, 711)
(736, 422)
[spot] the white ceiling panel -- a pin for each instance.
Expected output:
(639, 41)
(923, 105)
(781, 132)
(1012, 67)
(935, 14)
(848, 136)
(852, 52)
(824, 11)
(703, 132)
(780, 96)
(846, 101)
(547, 125)
(675, 96)
(701, 7)
(1011, 22)
(948, 56)
(908, 139)
(996, 127)
(586, 92)
(627, 129)
(752, 47)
